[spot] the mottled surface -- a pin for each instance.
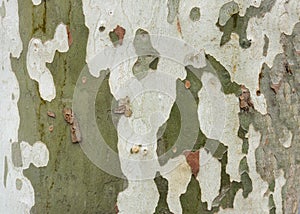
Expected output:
(248, 143)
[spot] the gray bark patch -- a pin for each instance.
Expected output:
(16, 154)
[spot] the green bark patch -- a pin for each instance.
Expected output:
(182, 131)
(173, 6)
(105, 118)
(238, 24)
(70, 183)
(191, 199)
(216, 148)
(162, 187)
(195, 14)
(2, 10)
(266, 45)
(200, 142)
(228, 86)
(5, 171)
(246, 184)
(193, 75)
(19, 184)
(116, 36)
(245, 146)
(148, 57)
(16, 154)
(170, 131)
(245, 119)
(243, 167)
(245, 178)
(272, 204)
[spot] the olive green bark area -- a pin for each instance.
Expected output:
(238, 24)
(169, 133)
(266, 45)
(70, 183)
(195, 14)
(191, 200)
(162, 187)
(228, 87)
(2, 10)
(16, 154)
(105, 118)
(272, 204)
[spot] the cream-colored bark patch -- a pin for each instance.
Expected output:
(279, 183)
(41, 53)
(178, 180)
(212, 107)
(286, 138)
(37, 154)
(209, 177)
(140, 197)
(218, 116)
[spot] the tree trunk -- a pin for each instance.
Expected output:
(150, 106)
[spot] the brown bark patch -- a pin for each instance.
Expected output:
(276, 87)
(117, 35)
(192, 158)
(74, 126)
(187, 84)
(179, 27)
(51, 114)
(245, 99)
(70, 38)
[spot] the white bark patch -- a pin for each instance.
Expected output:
(209, 177)
(218, 116)
(41, 53)
(138, 197)
(178, 180)
(279, 183)
(211, 107)
(36, 2)
(257, 200)
(37, 154)
(286, 138)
